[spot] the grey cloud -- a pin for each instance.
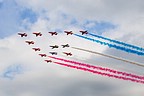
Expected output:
(89, 89)
(47, 83)
(41, 87)
(11, 71)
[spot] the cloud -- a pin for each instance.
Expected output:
(9, 18)
(13, 16)
(11, 71)
(29, 14)
(119, 20)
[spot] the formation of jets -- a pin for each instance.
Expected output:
(29, 42)
(53, 33)
(56, 46)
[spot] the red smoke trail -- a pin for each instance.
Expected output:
(100, 68)
(100, 73)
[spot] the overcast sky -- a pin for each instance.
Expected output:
(24, 73)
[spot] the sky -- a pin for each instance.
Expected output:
(24, 73)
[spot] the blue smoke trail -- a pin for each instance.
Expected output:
(112, 45)
(118, 42)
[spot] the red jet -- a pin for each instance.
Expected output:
(37, 33)
(67, 53)
(36, 49)
(43, 55)
(53, 33)
(48, 61)
(22, 34)
(68, 32)
(30, 42)
(84, 32)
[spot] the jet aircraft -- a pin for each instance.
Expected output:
(48, 61)
(68, 32)
(43, 55)
(53, 53)
(36, 49)
(55, 46)
(67, 45)
(53, 33)
(37, 33)
(30, 42)
(84, 32)
(22, 34)
(68, 54)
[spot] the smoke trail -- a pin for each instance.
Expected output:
(101, 73)
(114, 57)
(112, 45)
(100, 68)
(118, 42)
